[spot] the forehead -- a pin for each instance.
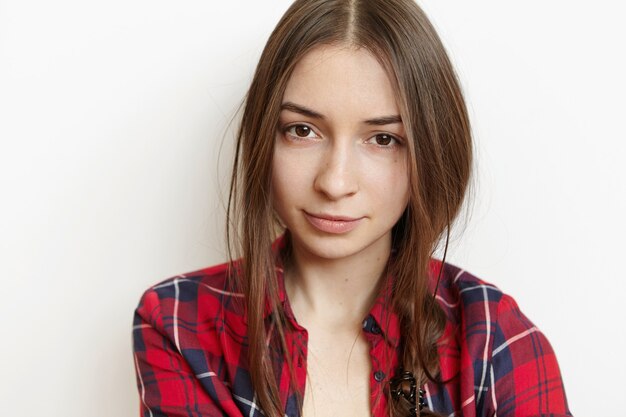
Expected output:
(339, 80)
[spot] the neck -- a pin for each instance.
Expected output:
(338, 291)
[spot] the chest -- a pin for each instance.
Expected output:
(338, 376)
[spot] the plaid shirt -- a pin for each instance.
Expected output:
(190, 350)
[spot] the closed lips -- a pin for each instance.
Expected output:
(332, 224)
(334, 218)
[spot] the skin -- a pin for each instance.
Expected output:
(347, 159)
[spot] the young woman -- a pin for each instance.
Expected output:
(352, 162)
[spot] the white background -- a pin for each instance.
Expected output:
(111, 119)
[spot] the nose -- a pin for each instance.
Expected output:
(337, 176)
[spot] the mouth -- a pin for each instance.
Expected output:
(336, 224)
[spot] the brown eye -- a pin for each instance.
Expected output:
(302, 130)
(383, 140)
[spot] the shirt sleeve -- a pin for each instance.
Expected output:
(168, 387)
(526, 380)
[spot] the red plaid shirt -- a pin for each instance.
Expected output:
(190, 348)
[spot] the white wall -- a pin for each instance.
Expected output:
(111, 118)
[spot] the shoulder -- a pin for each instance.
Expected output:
(478, 306)
(463, 296)
(494, 349)
(185, 330)
(192, 296)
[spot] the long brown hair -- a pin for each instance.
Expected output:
(433, 111)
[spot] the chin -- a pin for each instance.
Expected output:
(333, 247)
(327, 247)
(333, 252)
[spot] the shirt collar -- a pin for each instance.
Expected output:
(386, 319)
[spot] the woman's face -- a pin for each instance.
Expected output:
(340, 178)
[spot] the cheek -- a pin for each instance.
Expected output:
(392, 185)
(289, 176)
(278, 185)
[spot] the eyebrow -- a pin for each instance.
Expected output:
(376, 121)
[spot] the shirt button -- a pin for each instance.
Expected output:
(379, 376)
(376, 328)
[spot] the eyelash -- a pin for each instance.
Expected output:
(396, 140)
